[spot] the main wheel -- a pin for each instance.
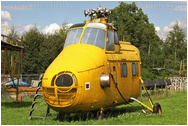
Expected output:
(100, 116)
(60, 117)
(157, 108)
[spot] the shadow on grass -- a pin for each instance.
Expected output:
(113, 112)
(13, 104)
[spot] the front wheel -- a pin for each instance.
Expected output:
(157, 108)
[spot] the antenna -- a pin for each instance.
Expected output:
(99, 12)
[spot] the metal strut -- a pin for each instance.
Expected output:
(139, 102)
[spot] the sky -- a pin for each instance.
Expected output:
(49, 16)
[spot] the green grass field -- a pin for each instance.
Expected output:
(174, 112)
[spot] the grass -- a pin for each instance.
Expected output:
(174, 112)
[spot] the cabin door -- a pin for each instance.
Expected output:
(124, 79)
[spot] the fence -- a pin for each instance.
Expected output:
(29, 77)
(178, 83)
(175, 83)
(152, 84)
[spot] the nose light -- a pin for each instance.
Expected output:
(64, 80)
(105, 80)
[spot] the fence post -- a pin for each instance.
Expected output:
(165, 87)
(180, 83)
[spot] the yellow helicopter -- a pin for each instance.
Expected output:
(95, 70)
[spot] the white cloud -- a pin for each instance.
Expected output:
(69, 25)
(26, 28)
(50, 29)
(22, 28)
(6, 18)
(162, 33)
(157, 28)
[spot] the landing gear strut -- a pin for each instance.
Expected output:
(156, 108)
(100, 114)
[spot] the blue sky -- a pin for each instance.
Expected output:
(48, 15)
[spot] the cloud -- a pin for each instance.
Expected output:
(26, 28)
(157, 28)
(162, 33)
(6, 18)
(50, 29)
(20, 28)
(69, 25)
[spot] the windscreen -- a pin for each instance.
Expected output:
(73, 36)
(94, 36)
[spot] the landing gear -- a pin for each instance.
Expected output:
(157, 108)
(100, 114)
(60, 116)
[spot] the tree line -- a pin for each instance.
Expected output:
(133, 26)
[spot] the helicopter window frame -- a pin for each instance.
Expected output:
(108, 48)
(133, 69)
(124, 70)
(88, 36)
(75, 37)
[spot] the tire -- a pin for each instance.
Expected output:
(157, 108)
(60, 117)
(101, 116)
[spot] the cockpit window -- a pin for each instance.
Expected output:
(110, 42)
(116, 37)
(99, 25)
(73, 36)
(94, 36)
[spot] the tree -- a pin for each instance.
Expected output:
(13, 33)
(133, 26)
(175, 44)
(52, 46)
(41, 49)
(32, 43)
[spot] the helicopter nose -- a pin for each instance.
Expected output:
(63, 90)
(62, 81)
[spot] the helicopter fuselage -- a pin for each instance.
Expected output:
(79, 79)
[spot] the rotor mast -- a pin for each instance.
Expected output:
(98, 13)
